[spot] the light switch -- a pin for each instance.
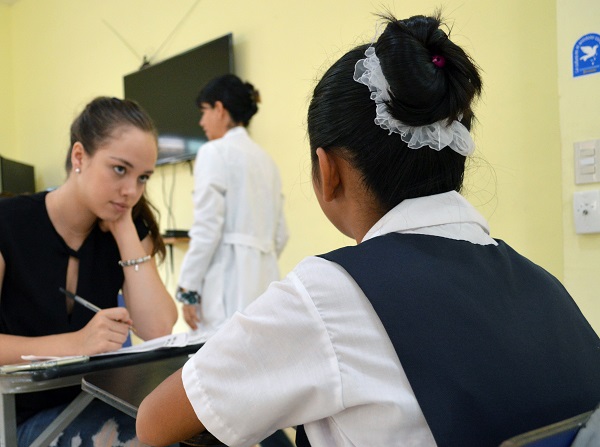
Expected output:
(588, 170)
(587, 161)
(587, 152)
(586, 210)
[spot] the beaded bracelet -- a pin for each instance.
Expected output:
(135, 262)
(187, 296)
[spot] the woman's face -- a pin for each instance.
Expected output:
(113, 180)
(213, 120)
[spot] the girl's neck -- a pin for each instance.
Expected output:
(367, 217)
(227, 128)
(70, 219)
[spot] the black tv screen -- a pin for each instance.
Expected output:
(16, 177)
(168, 90)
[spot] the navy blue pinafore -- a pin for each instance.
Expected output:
(491, 343)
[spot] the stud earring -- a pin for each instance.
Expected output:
(78, 171)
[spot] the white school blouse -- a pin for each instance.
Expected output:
(239, 228)
(310, 351)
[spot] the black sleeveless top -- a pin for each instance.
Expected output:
(36, 259)
(492, 344)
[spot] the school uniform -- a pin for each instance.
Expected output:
(239, 228)
(313, 350)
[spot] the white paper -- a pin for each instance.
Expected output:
(168, 341)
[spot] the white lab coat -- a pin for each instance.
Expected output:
(239, 228)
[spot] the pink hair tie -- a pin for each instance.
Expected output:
(438, 61)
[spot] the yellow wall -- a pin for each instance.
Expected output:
(64, 53)
(7, 148)
(580, 121)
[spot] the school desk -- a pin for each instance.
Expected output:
(64, 376)
(124, 388)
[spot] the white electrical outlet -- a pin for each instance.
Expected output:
(586, 209)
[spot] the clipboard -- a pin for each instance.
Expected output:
(45, 364)
(108, 361)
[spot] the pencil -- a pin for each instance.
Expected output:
(81, 300)
(87, 304)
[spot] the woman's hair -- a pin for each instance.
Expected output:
(341, 113)
(95, 125)
(239, 98)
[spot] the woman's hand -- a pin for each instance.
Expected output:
(106, 332)
(121, 225)
(190, 315)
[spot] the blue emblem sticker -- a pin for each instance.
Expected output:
(586, 58)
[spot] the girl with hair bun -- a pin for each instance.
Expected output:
(428, 332)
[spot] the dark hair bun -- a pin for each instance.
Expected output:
(342, 116)
(238, 97)
(254, 94)
(424, 91)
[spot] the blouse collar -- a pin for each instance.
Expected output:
(448, 214)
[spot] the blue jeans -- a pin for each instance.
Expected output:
(98, 425)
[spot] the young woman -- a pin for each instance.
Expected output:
(239, 227)
(428, 331)
(95, 236)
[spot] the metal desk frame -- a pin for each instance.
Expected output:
(17, 383)
(61, 377)
(125, 388)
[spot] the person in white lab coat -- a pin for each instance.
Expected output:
(239, 228)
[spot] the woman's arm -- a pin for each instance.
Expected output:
(151, 307)
(105, 332)
(166, 415)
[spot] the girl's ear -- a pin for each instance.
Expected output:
(223, 113)
(77, 155)
(221, 110)
(219, 107)
(329, 175)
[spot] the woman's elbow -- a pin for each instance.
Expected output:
(166, 323)
(158, 330)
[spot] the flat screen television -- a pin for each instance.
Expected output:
(15, 178)
(167, 91)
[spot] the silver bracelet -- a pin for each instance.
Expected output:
(135, 262)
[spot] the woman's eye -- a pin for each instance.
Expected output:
(144, 178)
(119, 170)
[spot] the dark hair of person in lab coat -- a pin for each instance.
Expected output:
(238, 97)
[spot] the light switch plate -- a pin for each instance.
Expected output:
(587, 161)
(586, 209)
